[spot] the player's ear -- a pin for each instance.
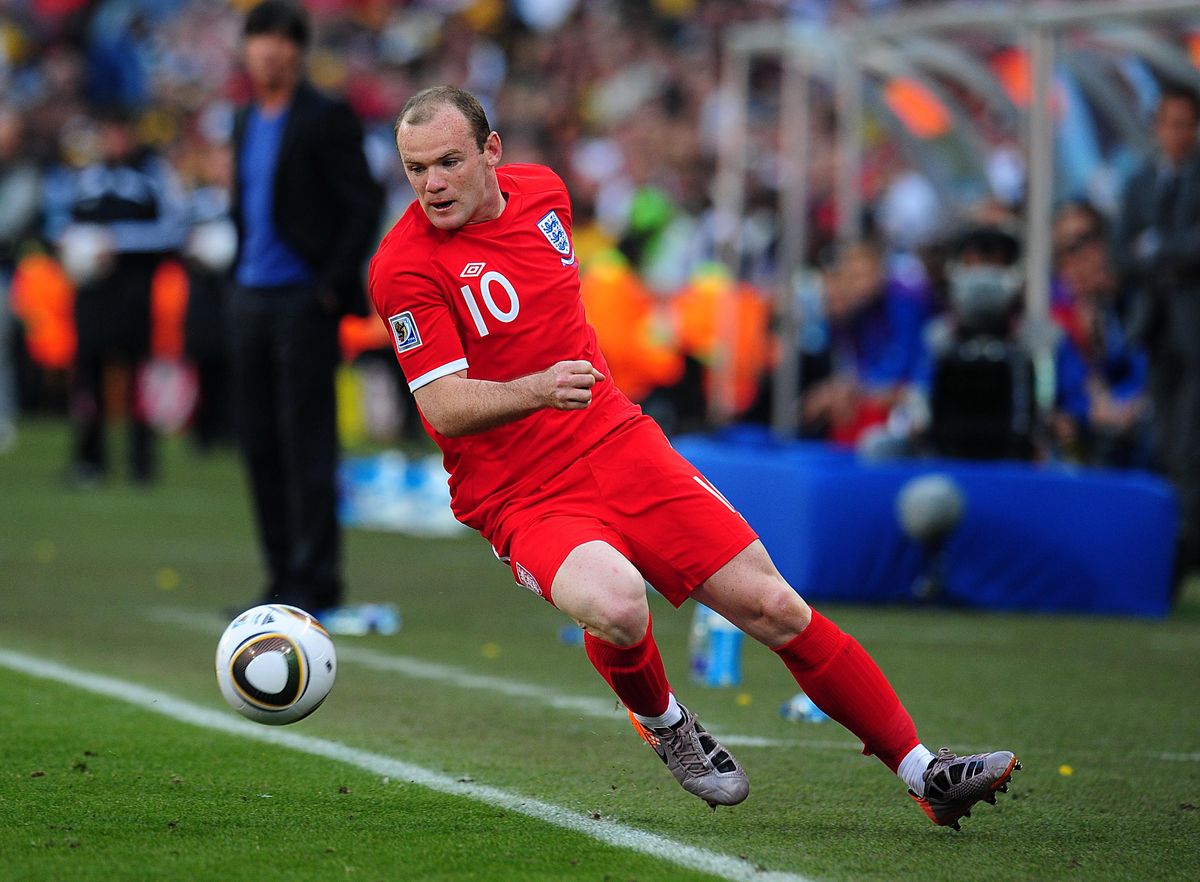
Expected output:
(493, 149)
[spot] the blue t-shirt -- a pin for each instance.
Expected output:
(882, 342)
(266, 260)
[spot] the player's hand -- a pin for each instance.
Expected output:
(568, 384)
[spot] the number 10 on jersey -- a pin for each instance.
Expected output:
(486, 283)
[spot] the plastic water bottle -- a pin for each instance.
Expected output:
(714, 649)
(384, 618)
(570, 635)
(801, 708)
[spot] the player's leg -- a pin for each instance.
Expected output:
(843, 680)
(831, 667)
(598, 587)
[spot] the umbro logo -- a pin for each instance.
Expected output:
(471, 270)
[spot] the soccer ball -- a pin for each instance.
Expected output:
(275, 664)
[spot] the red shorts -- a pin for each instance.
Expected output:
(633, 491)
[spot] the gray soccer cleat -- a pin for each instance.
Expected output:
(953, 784)
(697, 760)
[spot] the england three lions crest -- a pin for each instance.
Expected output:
(556, 235)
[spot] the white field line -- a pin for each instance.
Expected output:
(579, 704)
(607, 831)
(420, 669)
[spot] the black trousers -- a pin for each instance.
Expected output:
(91, 380)
(112, 316)
(1175, 392)
(284, 354)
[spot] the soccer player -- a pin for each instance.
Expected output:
(577, 490)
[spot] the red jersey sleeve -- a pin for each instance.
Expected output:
(424, 334)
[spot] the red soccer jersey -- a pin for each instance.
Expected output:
(500, 300)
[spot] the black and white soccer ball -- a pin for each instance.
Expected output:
(275, 664)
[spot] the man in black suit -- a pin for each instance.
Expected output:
(307, 210)
(1158, 250)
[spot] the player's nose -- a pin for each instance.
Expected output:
(434, 181)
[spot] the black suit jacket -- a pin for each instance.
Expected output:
(1167, 309)
(326, 203)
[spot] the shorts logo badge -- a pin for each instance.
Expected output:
(526, 578)
(471, 270)
(556, 235)
(404, 330)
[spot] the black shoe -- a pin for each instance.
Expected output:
(84, 476)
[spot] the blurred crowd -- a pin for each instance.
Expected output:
(911, 340)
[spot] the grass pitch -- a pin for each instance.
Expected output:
(129, 585)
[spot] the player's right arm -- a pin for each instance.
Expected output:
(432, 354)
(456, 405)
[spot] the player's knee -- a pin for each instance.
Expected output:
(783, 613)
(601, 588)
(623, 615)
(626, 618)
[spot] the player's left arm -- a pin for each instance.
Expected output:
(456, 405)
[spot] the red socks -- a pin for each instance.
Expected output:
(635, 672)
(830, 666)
(843, 681)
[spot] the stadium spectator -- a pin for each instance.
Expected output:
(874, 349)
(1157, 244)
(114, 220)
(211, 248)
(578, 490)
(20, 194)
(721, 324)
(306, 209)
(634, 328)
(631, 115)
(1101, 400)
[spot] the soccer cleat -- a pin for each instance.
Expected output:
(697, 760)
(953, 784)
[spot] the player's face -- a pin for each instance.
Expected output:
(1175, 128)
(272, 61)
(454, 180)
(117, 141)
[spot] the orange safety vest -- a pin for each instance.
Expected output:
(169, 291)
(43, 299)
(702, 306)
(640, 356)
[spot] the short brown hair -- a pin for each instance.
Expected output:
(421, 107)
(280, 18)
(1180, 92)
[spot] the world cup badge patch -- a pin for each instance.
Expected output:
(556, 235)
(404, 330)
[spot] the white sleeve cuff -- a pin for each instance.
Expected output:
(437, 373)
